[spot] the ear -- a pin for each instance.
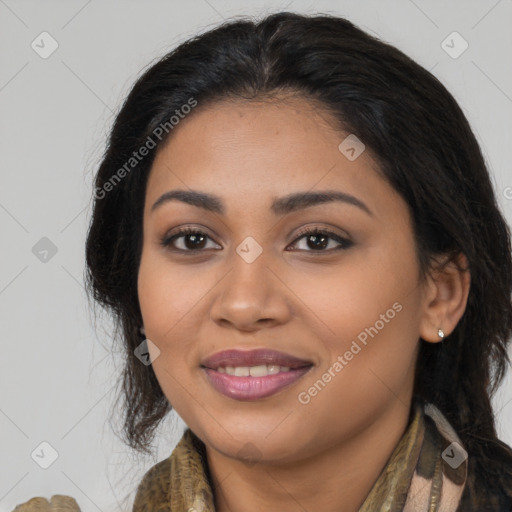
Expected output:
(446, 295)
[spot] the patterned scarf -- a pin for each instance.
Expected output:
(426, 472)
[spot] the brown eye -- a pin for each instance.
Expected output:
(195, 241)
(188, 240)
(322, 241)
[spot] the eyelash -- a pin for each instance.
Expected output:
(345, 243)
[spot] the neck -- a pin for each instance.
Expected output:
(339, 478)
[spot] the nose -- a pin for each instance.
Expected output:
(251, 297)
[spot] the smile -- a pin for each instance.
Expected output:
(252, 375)
(252, 387)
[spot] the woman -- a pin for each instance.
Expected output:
(309, 242)
(297, 234)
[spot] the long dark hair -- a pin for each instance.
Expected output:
(425, 148)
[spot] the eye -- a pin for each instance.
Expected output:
(188, 240)
(320, 240)
(314, 240)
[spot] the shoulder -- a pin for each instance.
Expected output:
(153, 491)
(177, 483)
(57, 502)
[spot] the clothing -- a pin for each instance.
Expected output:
(427, 471)
(57, 503)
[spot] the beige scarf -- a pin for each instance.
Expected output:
(426, 472)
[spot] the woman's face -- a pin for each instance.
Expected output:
(343, 305)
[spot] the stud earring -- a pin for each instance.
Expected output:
(440, 333)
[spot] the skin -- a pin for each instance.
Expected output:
(326, 454)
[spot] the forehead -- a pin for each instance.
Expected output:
(257, 149)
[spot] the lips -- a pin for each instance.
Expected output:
(253, 358)
(255, 374)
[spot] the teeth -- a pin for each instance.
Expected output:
(273, 368)
(258, 371)
(242, 371)
(261, 370)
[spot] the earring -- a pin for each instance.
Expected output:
(142, 331)
(440, 333)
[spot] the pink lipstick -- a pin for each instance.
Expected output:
(251, 375)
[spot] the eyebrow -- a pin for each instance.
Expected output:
(280, 206)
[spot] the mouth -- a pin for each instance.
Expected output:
(251, 375)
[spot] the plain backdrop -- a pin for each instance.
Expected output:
(58, 374)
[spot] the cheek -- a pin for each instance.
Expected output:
(165, 299)
(352, 296)
(370, 364)
(167, 294)
(174, 303)
(154, 295)
(369, 314)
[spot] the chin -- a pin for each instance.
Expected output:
(253, 441)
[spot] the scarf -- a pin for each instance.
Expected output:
(426, 472)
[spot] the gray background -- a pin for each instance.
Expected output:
(58, 375)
